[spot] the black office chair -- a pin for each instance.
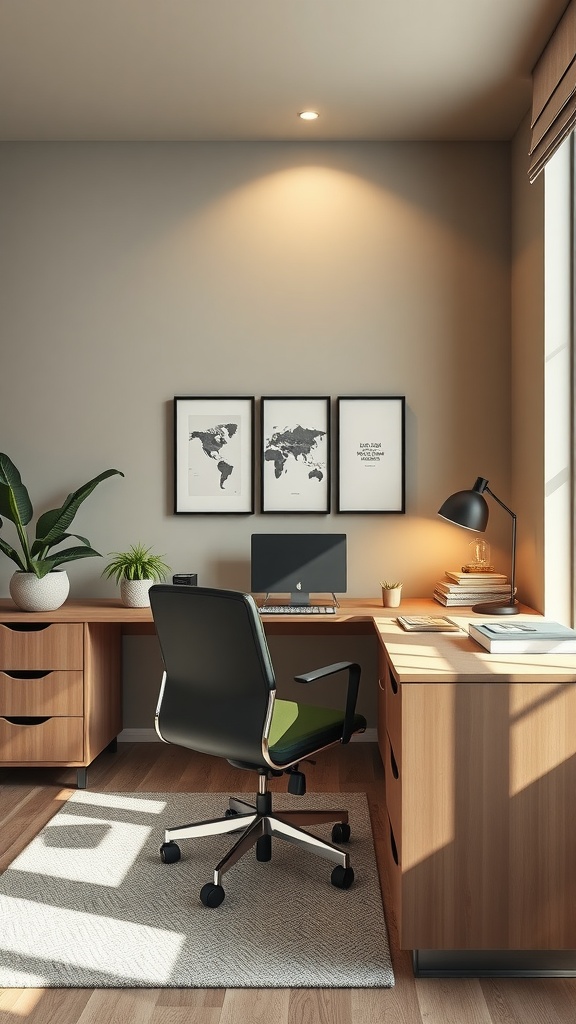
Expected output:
(218, 696)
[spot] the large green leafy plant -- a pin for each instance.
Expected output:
(38, 556)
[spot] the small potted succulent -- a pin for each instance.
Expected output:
(391, 593)
(38, 583)
(136, 570)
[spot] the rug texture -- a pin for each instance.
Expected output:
(89, 904)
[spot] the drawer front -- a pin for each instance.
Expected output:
(382, 710)
(38, 646)
(394, 875)
(32, 740)
(393, 695)
(392, 775)
(41, 693)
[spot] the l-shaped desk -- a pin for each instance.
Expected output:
(479, 752)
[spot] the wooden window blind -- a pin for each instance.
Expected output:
(554, 93)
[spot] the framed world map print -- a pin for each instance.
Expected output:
(213, 455)
(295, 466)
(371, 460)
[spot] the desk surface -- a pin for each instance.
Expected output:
(414, 657)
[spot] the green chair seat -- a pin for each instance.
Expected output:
(299, 729)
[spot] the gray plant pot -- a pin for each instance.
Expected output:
(134, 593)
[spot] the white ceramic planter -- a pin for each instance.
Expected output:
(391, 597)
(39, 595)
(134, 593)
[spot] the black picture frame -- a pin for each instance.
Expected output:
(214, 455)
(295, 454)
(371, 454)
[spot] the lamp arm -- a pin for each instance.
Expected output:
(513, 568)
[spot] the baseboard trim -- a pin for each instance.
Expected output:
(151, 736)
(494, 963)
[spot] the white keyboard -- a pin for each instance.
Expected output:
(297, 609)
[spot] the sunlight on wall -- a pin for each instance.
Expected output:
(557, 385)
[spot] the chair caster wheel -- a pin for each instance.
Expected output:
(212, 895)
(341, 832)
(342, 878)
(169, 853)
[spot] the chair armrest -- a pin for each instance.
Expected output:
(354, 672)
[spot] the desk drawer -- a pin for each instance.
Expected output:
(393, 698)
(393, 794)
(41, 739)
(394, 874)
(41, 693)
(382, 707)
(42, 646)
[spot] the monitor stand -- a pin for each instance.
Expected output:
(298, 598)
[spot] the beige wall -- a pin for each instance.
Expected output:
(133, 273)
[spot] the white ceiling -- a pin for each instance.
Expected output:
(173, 70)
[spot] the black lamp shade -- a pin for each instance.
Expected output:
(466, 508)
(470, 510)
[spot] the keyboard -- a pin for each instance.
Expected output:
(297, 609)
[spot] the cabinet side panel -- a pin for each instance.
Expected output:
(455, 816)
(542, 819)
(102, 686)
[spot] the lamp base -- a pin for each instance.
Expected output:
(497, 608)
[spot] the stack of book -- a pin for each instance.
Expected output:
(464, 588)
(537, 637)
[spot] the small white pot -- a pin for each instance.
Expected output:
(134, 593)
(391, 596)
(39, 595)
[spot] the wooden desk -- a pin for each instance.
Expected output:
(60, 675)
(479, 753)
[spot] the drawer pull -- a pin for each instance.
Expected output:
(393, 763)
(26, 719)
(25, 674)
(393, 846)
(27, 627)
(393, 683)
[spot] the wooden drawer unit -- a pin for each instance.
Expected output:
(59, 692)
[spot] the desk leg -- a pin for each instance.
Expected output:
(81, 777)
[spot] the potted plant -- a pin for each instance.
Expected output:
(391, 593)
(36, 586)
(136, 570)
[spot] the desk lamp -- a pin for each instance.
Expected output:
(470, 510)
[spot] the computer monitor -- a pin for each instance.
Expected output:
(298, 564)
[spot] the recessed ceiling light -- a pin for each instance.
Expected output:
(308, 115)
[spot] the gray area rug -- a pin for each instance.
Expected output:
(88, 904)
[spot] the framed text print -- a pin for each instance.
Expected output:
(295, 455)
(213, 455)
(371, 460)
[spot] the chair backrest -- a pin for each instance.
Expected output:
(219, 674)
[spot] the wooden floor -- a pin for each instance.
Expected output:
(28, 798)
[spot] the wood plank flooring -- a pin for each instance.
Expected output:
(29, 798)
